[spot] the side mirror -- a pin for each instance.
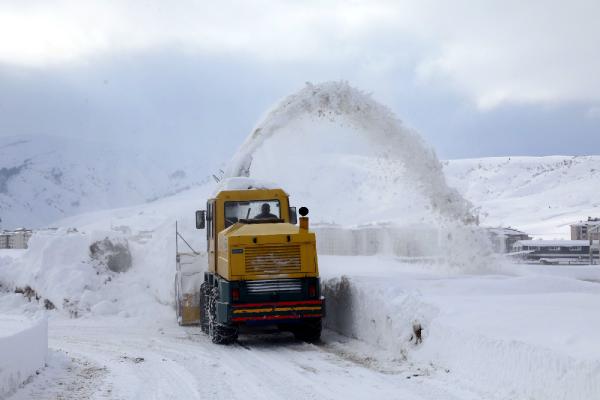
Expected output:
(200, 219)
(293, 216)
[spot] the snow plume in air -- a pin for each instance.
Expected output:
(348, 107)
(353, 163)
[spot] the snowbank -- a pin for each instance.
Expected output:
(23, 350)
(524, 336)
(66, 267)
(513, 368)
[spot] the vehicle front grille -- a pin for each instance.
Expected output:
(275, 285)
(273, 259)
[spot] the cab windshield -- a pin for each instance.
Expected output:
(256, 209)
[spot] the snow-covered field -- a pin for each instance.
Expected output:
(489, 329)
(515, 334)
(521, 332)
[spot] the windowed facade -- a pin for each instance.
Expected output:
(556, 251)
(586, 230)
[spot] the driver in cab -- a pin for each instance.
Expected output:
(265, 212)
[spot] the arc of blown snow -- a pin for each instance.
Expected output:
(335, 100)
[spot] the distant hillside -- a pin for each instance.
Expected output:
(43, 178)
(541, 195)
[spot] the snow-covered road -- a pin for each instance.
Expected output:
(120, 359)
(519, 333)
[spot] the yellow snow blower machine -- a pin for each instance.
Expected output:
(262, 267)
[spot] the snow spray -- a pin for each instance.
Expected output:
(341, 133)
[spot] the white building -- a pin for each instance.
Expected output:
(557, 251)
(4, 240)
(17, 239)
(503, 239)
(583, 230)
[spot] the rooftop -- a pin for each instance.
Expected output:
(547, 243)
(590, 221)
(505, 231)
(18, 230)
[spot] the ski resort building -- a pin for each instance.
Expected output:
(503, 239)
(556, 251)
(17, 239)
(584, 230)
(4, 240)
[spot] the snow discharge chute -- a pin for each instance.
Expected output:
(384, 133)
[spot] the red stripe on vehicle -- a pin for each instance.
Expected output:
(278, 304)
(275, 317)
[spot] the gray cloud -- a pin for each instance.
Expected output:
(493, 78)
(494, 52)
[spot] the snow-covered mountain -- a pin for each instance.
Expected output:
(541, 195)
(44, 178)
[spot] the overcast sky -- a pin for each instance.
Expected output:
(475, 78)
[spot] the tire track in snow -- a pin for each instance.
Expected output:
(169, 362)
(65, 378)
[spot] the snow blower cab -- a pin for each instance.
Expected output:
(262, 266)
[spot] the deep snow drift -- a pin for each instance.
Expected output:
(60, 267)
(526, 332)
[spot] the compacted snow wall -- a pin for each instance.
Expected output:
(22, 353)
(383, 315)
(499, 353)
(114, 262)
